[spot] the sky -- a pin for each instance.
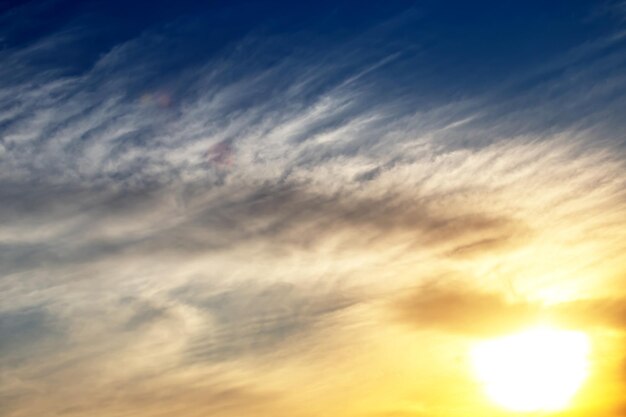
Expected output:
(255, 208)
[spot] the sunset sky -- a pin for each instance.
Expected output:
(303, 209)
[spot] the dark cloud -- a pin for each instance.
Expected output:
(455, 307)
(603, 312)
(281, 216)
(298, 216)
(27, 332)
(143, 313)
(256, 319)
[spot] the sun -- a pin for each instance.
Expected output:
(539, 369)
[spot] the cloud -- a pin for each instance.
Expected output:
(453, 306)
(450, 304)
(60, 227)
(255, 319)
(26, 332)
(144, 314)
(150, 396)
(602, 312)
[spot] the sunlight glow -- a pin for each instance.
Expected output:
(537, 370)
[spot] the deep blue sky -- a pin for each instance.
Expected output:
(438, 51)
(464, 45)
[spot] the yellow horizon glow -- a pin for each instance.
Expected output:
(540, 369)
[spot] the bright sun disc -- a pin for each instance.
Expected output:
(537, 370)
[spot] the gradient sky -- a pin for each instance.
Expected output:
(240, 208)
